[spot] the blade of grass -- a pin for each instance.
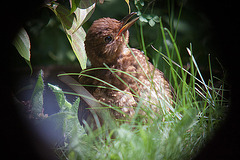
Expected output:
(195, 63)
(171, 61)
(140, 98)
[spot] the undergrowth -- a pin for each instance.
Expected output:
(198, 110)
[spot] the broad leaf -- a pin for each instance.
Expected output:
(61, 99)
(63, 15)
(72, 23)
(67, 117)
(74, 4)
(83, 12)
(37, 96)
(23, 46)
(77, 42)
(76, 105)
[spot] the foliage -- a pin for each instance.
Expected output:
(72, 21)
(22, 44)
(151, 19)
(37, 96)
(198, 110)
(67, 115)
(66, 120)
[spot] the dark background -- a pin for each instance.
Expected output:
(20, 141)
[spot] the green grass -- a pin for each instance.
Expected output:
(198, 110)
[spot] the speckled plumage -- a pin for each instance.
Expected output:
(149, 86)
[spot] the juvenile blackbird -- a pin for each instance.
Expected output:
(123, 78)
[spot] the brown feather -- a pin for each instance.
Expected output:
(149, 85)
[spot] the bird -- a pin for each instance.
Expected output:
(121, 77)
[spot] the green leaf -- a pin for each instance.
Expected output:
(37, 96)
(72, 23)
(139, 4)
(156, 19)
(63, 15)
(67, 117)
(30, 66)
(151, 22)
(61, 99)
(77, 42)
(74, 4)
(143, 19)
(83, 12)
(23, 46)
(76, 105)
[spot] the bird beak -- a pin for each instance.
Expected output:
(126, 25)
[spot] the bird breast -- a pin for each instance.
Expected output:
(136, 80)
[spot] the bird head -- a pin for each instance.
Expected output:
(106, 39)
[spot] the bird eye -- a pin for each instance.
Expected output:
(108, 39)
